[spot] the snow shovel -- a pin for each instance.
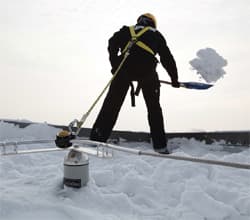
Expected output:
(191, 85)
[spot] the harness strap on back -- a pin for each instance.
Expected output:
(132, 94)
(134, 37)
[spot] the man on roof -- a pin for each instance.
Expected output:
(139, 66)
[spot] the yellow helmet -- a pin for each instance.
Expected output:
(147, 19)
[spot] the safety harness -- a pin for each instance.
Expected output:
(63, 139)
(135, 40)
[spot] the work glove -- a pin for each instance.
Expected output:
(175, 84)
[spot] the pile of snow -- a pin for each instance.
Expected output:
(9, 131)
(124, 187)
(209, 65)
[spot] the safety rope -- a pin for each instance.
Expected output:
(84, 117)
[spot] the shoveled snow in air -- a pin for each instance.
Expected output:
(124, 187)
(209, 65)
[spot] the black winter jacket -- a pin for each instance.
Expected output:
(140, 63)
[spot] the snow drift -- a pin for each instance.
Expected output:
(124, 187)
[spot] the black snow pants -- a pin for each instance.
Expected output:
(112, 104)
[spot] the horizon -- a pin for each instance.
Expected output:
(25, 121)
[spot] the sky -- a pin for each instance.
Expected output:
(54, 61)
